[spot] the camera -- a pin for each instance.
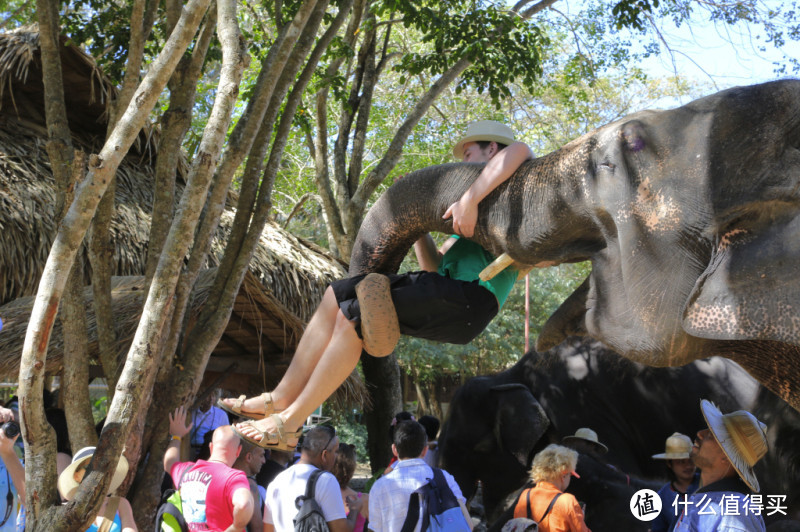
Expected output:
(10, 428)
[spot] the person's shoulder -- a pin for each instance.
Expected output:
(179, 467)
(328, 481)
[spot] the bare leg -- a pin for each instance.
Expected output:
(336, 363)
(315, 339)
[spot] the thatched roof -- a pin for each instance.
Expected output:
(287, 275)
(254, 350)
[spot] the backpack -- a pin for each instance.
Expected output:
(169, 517)
(309, 517)
(441, 511)
(527, 524)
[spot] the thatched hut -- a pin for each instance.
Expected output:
(287, 275)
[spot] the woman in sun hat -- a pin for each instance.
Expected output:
(683, 479)
(115, 514)
(546, 503)
(725, 452)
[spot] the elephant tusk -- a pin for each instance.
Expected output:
(500, 263)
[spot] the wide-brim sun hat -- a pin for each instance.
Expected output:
(484, 130)
(742, 437)
(587, 435)
(677, 447)
(67, 486)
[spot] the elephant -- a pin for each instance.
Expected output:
(581, 383)
(690, 218)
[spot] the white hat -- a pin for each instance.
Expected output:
(588, 435)
(742, 438)
(677, 447)
(484, 130)
(67, 485)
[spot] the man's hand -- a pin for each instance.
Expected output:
(465, 215)
(354, 504)
(177, 423)
(6, 414)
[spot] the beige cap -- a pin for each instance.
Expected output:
(588, 435)
(488, 130)
(677, 447)
(67, 485)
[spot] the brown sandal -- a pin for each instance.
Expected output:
(278, 440)
(236, 408)
(380, 328)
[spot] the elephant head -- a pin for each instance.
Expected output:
(690, 218)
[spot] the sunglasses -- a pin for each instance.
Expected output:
(329, 441)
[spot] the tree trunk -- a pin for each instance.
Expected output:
(427, 394)
(43, 510)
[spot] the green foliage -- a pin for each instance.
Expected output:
(99, 408)
(351, 430)
(15, 13)
(502, 46)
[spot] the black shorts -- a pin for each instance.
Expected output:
(428, 305)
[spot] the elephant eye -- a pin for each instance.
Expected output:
(608, 166)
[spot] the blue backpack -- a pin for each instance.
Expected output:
(439, 507)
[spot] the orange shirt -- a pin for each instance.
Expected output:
(566, 515)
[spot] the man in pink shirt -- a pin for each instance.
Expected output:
(215, 496)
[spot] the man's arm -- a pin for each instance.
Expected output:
(496, 171)
(256, 519)
(340, 525)
(12, 463)
(242, 509)
(428, 256)
(178, 430)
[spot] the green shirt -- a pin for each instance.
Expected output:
(465, 260)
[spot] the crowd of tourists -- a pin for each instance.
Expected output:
(226, 483)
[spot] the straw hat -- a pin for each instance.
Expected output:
(586, 434)
(677, 447)
(67, 485)
(742, 438)
(488, 130)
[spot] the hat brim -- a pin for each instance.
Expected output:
(713, 418)
(67, 486)
(671, 456)
(458, 149)
(600, 447)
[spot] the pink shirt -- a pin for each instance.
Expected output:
(207, 493)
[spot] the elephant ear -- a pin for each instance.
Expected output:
(751, 288)
(519, 420)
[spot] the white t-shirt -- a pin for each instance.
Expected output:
(279, 508)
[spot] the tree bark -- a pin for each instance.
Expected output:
(174, 124)
(43, 510)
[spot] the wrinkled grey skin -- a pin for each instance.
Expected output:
(688, 216)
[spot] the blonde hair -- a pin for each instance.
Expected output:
(552, 462)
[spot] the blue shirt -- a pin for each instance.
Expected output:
(722, 506)
(9, 503)
(670, 511)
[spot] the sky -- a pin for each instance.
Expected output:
(722, 55)
(717, 56)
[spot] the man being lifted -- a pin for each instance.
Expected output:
(332, 343)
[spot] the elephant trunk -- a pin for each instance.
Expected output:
(523, 217)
